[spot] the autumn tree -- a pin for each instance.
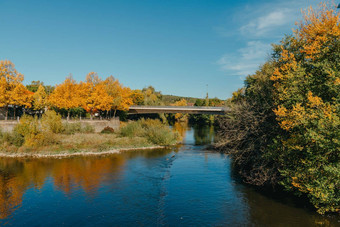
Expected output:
(40, 98)
(20, 96)
(137, 97)
(95, 93)
(66, 96)
(152, 97)
(284, 127)
(11, 89)
(307, 92)
(120, 95)
(92, 78)
(180, 116)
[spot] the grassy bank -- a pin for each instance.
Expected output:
(49, 136)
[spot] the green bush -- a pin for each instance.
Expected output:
(153, 130)
(32, 132)
(51, 121)
(12, 138)
(132, 129)
(161, 135)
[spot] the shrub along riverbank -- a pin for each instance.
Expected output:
(49, 135)
(284, 127)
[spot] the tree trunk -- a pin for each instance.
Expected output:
(91, 115)
(68, 115)
(6, 113)
(114, 113)
(15, 110)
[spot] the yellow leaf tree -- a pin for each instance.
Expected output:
(307, 95)
(120, 96)
(66, 96)
(180, 116)
(9, 80)
(137, 97)
(40, 98)
(95, 93)
(20, 96)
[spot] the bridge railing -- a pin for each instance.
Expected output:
(177, 109)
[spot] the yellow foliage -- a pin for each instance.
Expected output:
(66, 95)
(12, 91)
(314, 101)
(137, 97)
(317, 28)
(96, 96)
(40, 98)
(20, 96)
(8, 71)
(180, 116)
(120, 96)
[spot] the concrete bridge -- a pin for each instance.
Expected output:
(178, 109)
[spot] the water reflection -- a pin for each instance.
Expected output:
(204, 134)
(18, 175)
(186, 185)
(181, 128)
(276, 209)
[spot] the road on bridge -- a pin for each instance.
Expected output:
(178, 109)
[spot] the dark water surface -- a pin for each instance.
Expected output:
(184, 186)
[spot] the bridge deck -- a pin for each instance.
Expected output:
(177, 109)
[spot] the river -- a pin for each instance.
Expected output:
(183, 186)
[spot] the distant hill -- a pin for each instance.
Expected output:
(169, 99)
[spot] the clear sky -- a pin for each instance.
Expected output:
(177, 46)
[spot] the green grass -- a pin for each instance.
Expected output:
(75, 138)
(153, 130)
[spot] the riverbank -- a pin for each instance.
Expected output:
(66, 154)
(33, 137)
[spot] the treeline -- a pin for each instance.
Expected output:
(91, 95)
(71, 98)
(284, 127)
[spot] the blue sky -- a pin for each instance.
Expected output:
(176, 46)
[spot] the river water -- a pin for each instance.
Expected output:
(183, 186)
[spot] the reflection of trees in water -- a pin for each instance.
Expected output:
(86, 172)
(203, 134)
(18, 175)
(152, 153)
(181, 128)
(10, 193)
(280, 209)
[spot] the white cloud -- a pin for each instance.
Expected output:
(258, 25)
(269, 23)
(247, 60)
(272, 18)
